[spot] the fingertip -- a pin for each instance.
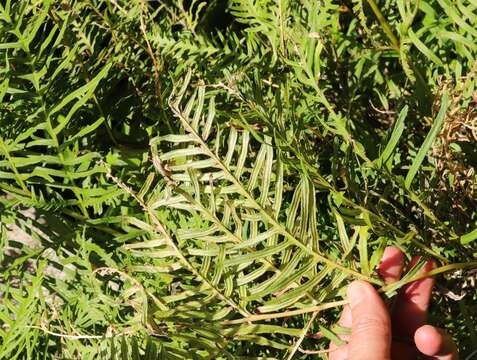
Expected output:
(435, 342)
(393, 252)
(359, 291)
(429, 340)
(392, 264)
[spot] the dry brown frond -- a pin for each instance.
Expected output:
(460, 127)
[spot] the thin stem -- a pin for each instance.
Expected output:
(296, 346)
(386, 27)
(307, 310)
(76, 337)
(433, 272)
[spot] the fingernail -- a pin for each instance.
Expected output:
(357, 293)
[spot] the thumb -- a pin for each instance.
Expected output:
(371, 325)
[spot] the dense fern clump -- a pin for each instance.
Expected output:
(202, 179)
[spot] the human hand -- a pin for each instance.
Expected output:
(402, 335)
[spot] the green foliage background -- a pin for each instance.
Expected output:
(206, 174)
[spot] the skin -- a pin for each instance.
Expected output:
(378, 333)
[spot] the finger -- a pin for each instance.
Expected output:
(341, 352)
(410, 311)
(436, 343)
(345, 321)
(371, 325)
(392, 264)
(338, 353)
